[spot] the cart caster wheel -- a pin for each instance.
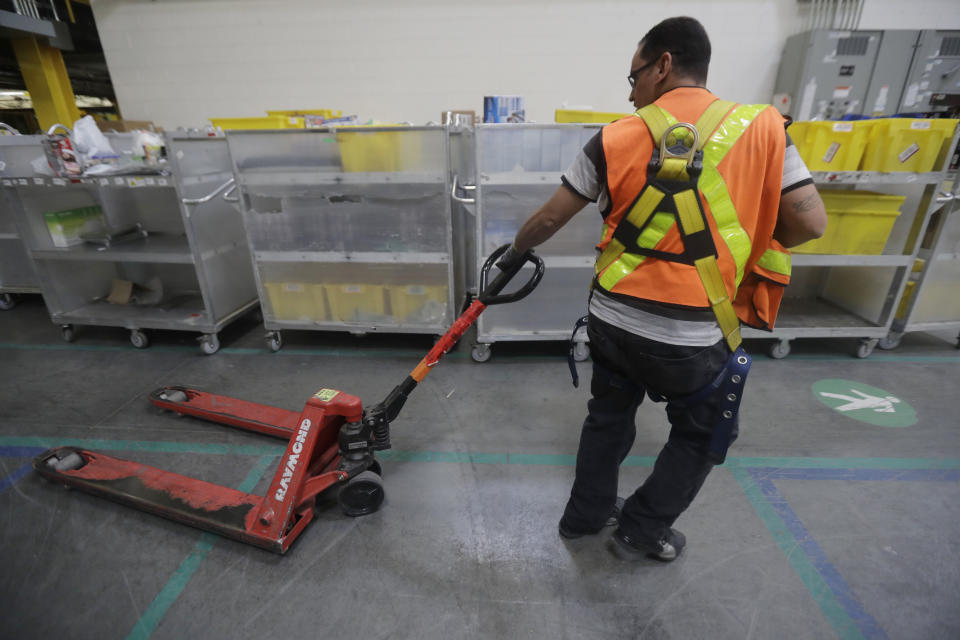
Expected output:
(780, 350)
(480, 352)
(890, 341)
(274, 341)
(210, 344)
(361, 495)
(7, 302)
(139, 339)
(581, 351)
(866, 347)
(67, 332)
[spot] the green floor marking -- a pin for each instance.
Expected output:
(832, 610)
(171, 591)
(864, 403)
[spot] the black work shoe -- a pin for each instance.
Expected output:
(666, 548)
(570, 533)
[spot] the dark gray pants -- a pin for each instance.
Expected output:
(625, 367)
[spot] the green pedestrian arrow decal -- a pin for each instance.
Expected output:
(864, 403)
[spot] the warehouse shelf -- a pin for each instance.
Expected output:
(328, 178)
(186, 238)
(155, 248)
(551, 178)
(349, 230)
(876, 177)
(374, 257)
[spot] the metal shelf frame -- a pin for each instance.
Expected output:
(194, 248)
(349, 229)
(17, 272)
(517, 167)
(934, 304)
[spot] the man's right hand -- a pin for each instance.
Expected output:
(511, 260)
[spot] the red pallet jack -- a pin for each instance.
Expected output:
(330, 444)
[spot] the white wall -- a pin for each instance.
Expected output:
(179, 62)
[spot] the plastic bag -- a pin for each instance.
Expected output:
(90, 141)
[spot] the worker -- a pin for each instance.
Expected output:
(652, 328)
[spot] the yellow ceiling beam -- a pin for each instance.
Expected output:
(46, 78)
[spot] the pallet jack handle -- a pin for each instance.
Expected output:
(380, 416)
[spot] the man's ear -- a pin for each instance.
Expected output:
(665, 64)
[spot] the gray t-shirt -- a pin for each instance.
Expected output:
(587, 177)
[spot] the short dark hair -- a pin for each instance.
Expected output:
(686, 40)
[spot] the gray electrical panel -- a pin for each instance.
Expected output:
(825, 74)
(935, 70)
(889, 75)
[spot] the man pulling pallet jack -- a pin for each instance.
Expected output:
(699, 198)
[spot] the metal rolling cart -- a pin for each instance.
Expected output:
(16, 269)
(158, 249)
(518, 167)
(856, 296)
(930, 301)
(349, 229)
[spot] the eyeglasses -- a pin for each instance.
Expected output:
(632, 78)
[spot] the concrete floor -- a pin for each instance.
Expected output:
(819, 525)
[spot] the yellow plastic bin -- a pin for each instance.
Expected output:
(908, 291)
(903, 144)
(355, 302)
(831, 146)
(417, 303)
(858, 222)
(573, 115)
(297, 301)
(261, 122)
(362, 150)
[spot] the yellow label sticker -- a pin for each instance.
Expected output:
(326, 395)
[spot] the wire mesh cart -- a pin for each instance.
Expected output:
(930, 301)
(16, 269)
(518, 167)
(151, 250)
(349, 229)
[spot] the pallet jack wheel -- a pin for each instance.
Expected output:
(70, 462)
(363, 494)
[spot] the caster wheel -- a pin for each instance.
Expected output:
(274, 341)
(581, 351)
(780, 350)
(7, 302)
(139, 339)
(481, 352)
(866, 347)
(890, 341)
(210, 344)
(361, 495)
(68, 333)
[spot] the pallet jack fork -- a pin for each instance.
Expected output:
(330, 444)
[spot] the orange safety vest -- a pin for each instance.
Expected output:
(739, 189)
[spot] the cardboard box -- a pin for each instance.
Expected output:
(66, 226)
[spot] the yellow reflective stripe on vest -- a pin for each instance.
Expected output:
(714, 189)
(626, 263)
(776, 261)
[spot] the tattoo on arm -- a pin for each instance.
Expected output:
(808, 203)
